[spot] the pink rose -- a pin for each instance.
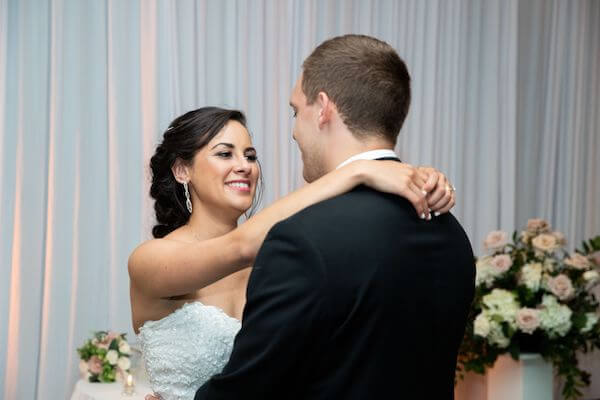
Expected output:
(595, 257)
(545, 242)
(495, 240)
(110, 337)
(501, 263)
(95, 365)
(538, 225)
(561, 286)
(578, 261)
(560, 238)
(528, 320)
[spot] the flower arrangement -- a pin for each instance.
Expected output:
(532, 296)
(103, 356)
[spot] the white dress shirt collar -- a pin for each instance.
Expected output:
(370, 155)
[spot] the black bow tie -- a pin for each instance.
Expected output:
(389, 158)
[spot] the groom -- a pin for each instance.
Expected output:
(355, 297)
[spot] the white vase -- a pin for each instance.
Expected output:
(530, 378)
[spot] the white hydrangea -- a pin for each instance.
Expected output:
(545, 280)
(590, 320)
(502, 303)
(550, 265)
(496, 336)
(481, 325)
(555, 318)
(531, 276)
(484, 273)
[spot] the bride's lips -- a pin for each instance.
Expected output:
(240, 185)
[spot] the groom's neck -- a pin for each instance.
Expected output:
(343, 150)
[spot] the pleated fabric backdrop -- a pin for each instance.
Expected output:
(505, 101)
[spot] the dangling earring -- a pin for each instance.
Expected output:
(188, 201)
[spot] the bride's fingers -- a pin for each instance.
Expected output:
(445, 203)
(420, 184)
(417, 198)
(436, 196)
(449, 205)
(433, 180)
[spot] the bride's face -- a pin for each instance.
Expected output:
(225, 172)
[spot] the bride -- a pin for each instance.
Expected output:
(187, 285)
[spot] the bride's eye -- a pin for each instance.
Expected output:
(224, 154)
(251, 157)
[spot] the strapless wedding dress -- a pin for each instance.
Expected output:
(185, 348)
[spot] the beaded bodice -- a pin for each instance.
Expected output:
(185, 348)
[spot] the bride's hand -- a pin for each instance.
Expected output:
(441, 195)
(398, 178)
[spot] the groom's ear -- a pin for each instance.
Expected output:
(326, 108)
(181, 171)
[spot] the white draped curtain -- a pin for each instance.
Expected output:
(505, 102)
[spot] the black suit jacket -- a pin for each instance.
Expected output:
(353, 298)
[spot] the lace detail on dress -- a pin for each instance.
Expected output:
(185, 348)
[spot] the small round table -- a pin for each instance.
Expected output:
(85, 390)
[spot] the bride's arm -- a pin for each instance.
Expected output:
(164, 268)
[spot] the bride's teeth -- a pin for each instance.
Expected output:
(238, 184)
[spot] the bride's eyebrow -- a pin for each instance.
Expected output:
(231, 146)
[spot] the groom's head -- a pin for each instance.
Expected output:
(353, 95)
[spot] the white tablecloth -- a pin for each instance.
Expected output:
(85, 390)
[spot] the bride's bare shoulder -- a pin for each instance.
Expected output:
(152, 252)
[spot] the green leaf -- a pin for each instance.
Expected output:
(114, 345)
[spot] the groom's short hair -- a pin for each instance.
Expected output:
(367, 81)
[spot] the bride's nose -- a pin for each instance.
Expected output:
(243, 166)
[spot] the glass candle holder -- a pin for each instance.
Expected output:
(128, 386)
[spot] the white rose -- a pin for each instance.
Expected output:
(526, 236)
(481, 325)
(112, 356)
(124, 348)
(591, 276)
(124, 363)
(590, 320)
(531, 276)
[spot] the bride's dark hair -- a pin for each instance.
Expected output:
(183, 138)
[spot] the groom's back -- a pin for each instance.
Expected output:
(399, 290)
